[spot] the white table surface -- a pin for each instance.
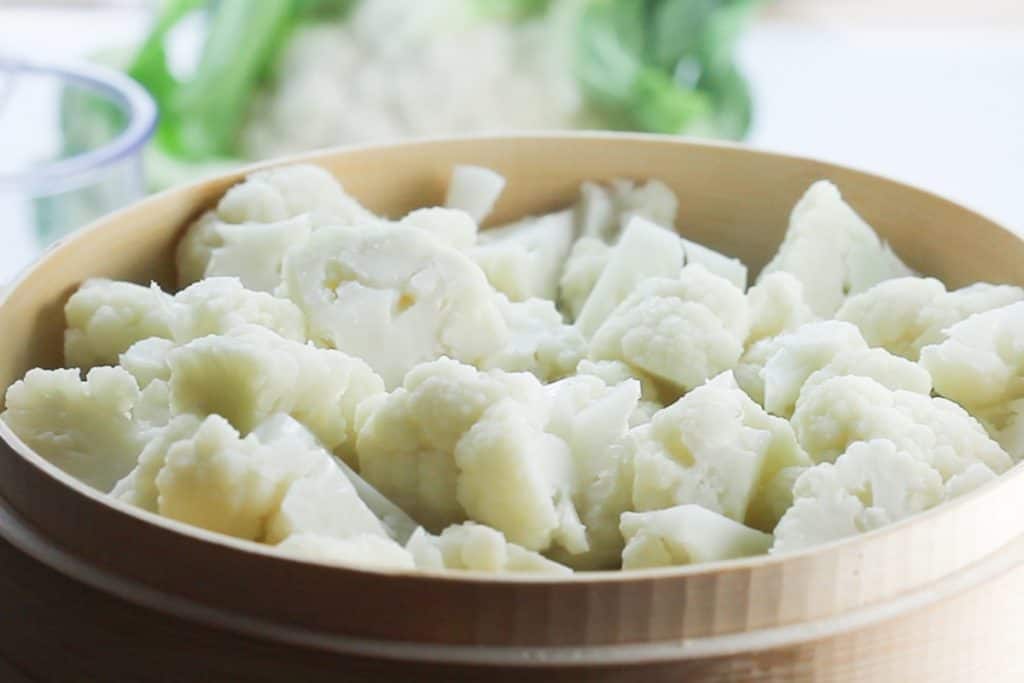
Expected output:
(943, 109)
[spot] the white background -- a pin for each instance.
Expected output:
(941, 107)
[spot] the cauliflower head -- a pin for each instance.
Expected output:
(777, 306)
(366, 551)
(525, 259)
(539, 341)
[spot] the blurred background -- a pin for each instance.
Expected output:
(926, 91)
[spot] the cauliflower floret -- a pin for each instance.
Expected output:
(524, 259)
(394, 297)
(583, 267)
(539, 341)
(644, 251)
(872, 484)
(679, 331)
(844, 410)
(474, 189)
(1006, 425)
(366, 551)
(715, 448)
(832, 251)
(146, 360)
(777, 306)
(105, 317)
(602, 211)
(593, 419)
(892, 372)
(450, 226)
(686, 534)
(477, 548)
(261, 217)
(974, 476)
(773, 370)
(275, 482)
(906, 314)
(251, 373)
(519, 479)
(981, 364)
(407, 439)
(85, 428)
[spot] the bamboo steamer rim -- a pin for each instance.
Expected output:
(981, 503)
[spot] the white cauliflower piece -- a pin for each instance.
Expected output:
(519, 479)
(367, 551)
(252, 252)
(686, 534)
(146, 360)
(777, 306)
(407, 439)
(841, 411)
(680, 331)
(450, 226)
(593, 419)
(583, 267)
(1006, 425)
(644, 251)
(474, 189)
(251, 373)
(715, 448)
(394, 297)
(257, 220)
(981, 364)
(85, 428)
(603, 210)
(832, 251)
(106, 317)
(524, 259)
(477, 547)
(721, 265)
(538, 342)
(904, 315)
(891, 371)
(872, 484)
(273, 483)
(773, 370)
(973, 477)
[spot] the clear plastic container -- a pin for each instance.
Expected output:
(71, 140)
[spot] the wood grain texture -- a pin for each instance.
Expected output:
(842, 612)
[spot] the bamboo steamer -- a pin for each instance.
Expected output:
(92, 589)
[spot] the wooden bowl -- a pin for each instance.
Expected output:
(93, 589)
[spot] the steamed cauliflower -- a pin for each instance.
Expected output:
(906, 314)
(105, 318)
(715, 448)
(393, 297)
(580, 390)
(832, 251)
(872, 484)
(686, 534)
(85, 428)
(476, 547)
(251, 373)
(680, 331)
